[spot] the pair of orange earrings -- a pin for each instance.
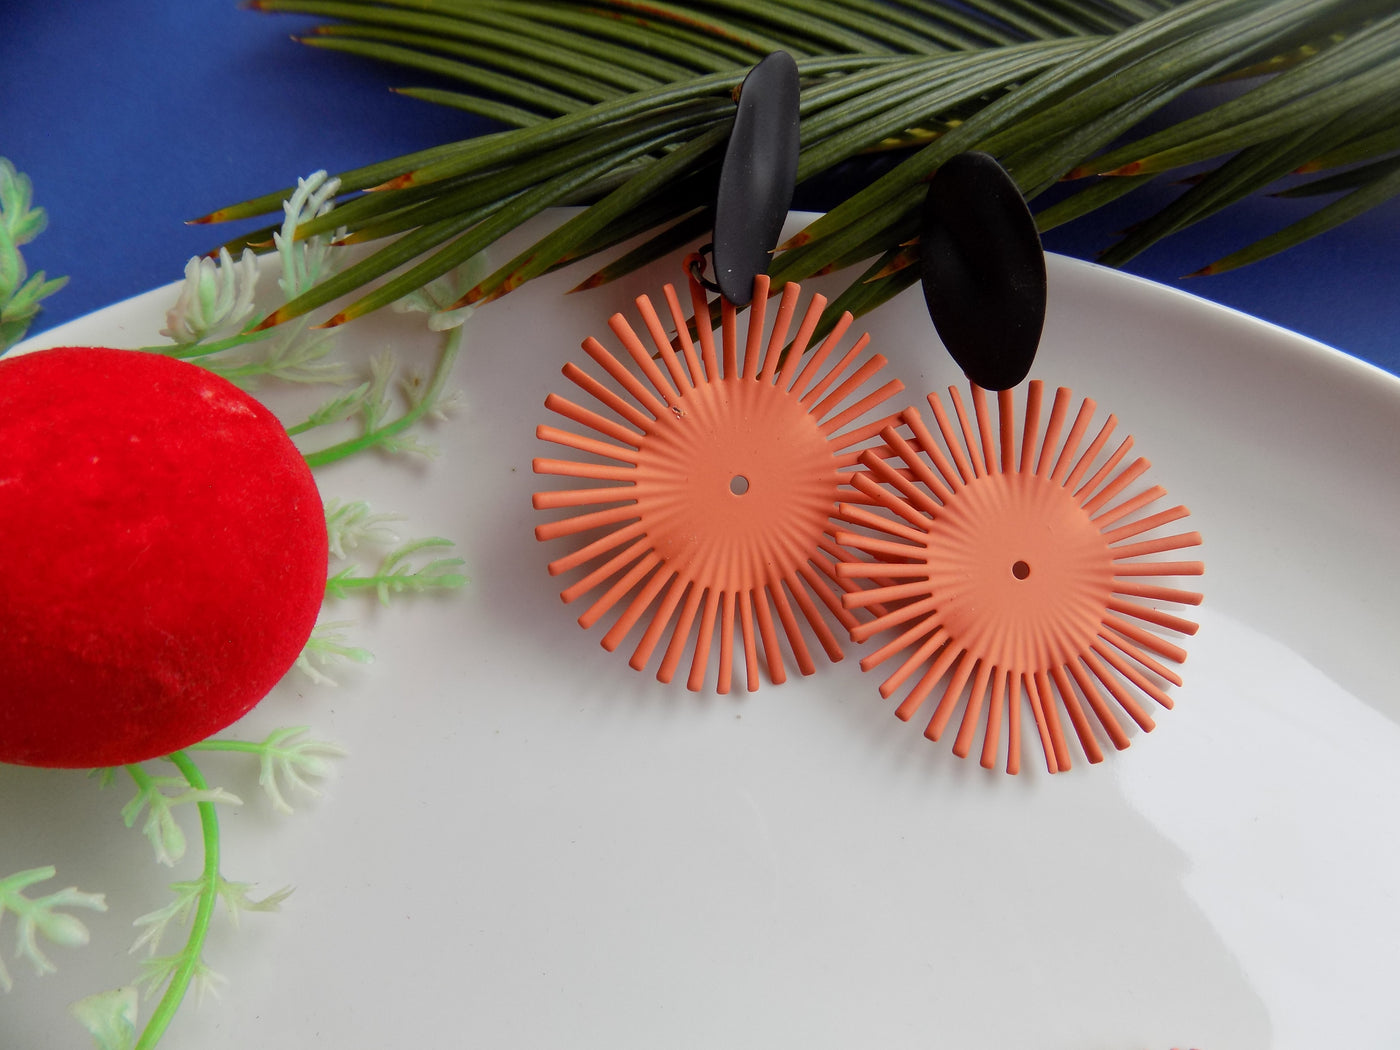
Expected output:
(737, 490)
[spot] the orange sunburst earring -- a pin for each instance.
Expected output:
(719, 478)
(1019, 572)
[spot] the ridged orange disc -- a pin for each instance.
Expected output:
(719, 468)
(1005, 562)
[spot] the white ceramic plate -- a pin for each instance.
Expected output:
(532, 845)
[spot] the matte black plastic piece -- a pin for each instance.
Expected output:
(983, 270)
(757, 178)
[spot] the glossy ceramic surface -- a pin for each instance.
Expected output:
(533, 845)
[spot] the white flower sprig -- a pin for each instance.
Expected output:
(159, 796)
(42, 916)
(305, 262)
(212, 321)
(286, 757)
(234, 896)
(215, 300)
(336, 410)
(218, 295)
(159, 972)
(327, 646)
(20, 223)
(397, 573)
(436, 298)
(109, 1017)
(348, 525)
(426, 397)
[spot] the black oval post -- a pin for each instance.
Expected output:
(757, 178)
(983, 270)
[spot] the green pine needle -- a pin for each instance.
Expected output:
(1050, 89)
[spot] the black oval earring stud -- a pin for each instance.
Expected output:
(983, 270)
(758, 175)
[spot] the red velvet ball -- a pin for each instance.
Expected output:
(163, 551)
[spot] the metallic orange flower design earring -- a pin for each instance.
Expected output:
(1017, 570)
(716, 481)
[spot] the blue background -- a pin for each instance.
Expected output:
(132, 118)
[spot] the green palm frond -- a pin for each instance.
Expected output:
(623, 106)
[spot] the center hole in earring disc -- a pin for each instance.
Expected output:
(1020, 570)
(738, 484)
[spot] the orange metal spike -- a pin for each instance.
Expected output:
(733, 463)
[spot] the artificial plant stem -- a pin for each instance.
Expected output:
(377, 435)
(204, 911)
(139, 777)
(248, 747)
(191, 350)
(305, 426)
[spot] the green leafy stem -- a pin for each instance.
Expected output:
(41, 916)
(396, 575)
(285, 755)
(110, 1017)
(373, 406)
(189, 962)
